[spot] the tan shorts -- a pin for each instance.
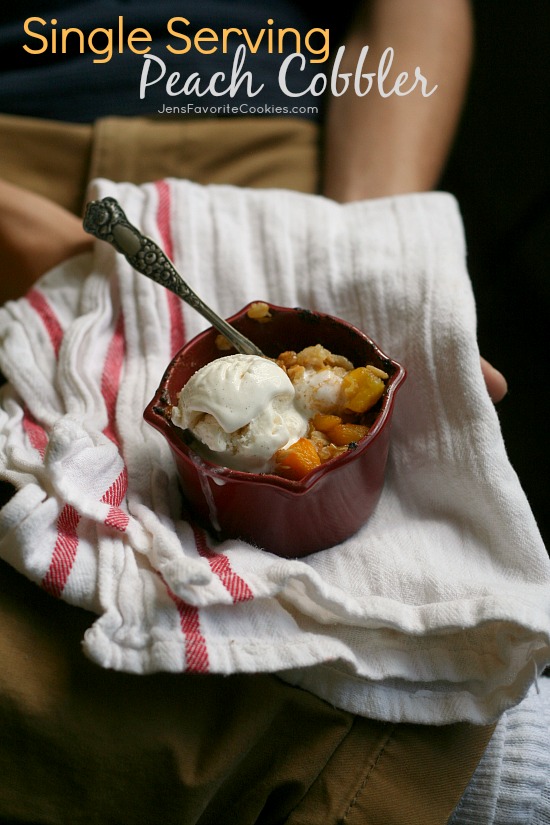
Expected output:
(59, 159)
(81, 744)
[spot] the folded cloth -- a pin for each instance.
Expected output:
(436, 611)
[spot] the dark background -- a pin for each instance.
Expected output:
(499, 170)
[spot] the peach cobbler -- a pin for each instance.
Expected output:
(285, 416)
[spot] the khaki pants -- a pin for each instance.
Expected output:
(79, 744)
(58, 160)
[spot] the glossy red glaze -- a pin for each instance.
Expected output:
(288, 518)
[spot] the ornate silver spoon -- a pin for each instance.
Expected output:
(105, 219)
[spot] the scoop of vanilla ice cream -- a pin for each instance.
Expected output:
(241, 410)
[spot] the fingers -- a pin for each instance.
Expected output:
(495, 382)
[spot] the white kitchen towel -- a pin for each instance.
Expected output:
(438, 610)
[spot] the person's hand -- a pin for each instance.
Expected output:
(494, 381)
(35, 235)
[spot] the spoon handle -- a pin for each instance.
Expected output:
(106, 220)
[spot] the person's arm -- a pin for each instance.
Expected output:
(35, 235)
(376, 146)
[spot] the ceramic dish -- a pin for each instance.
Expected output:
(288, 518)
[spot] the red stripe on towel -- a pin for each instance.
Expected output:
(36, 434)
(64, 552)
(117, 490)
(164, 207)
(163, 218)
(48, 318)
(110, 379)
(116, 517)
(221, 567)
(196, 651)
(236, 587)
(110, 383)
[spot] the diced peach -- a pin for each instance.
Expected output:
(342, 434)
(323, 422)
(361, 389)
(298, 460)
